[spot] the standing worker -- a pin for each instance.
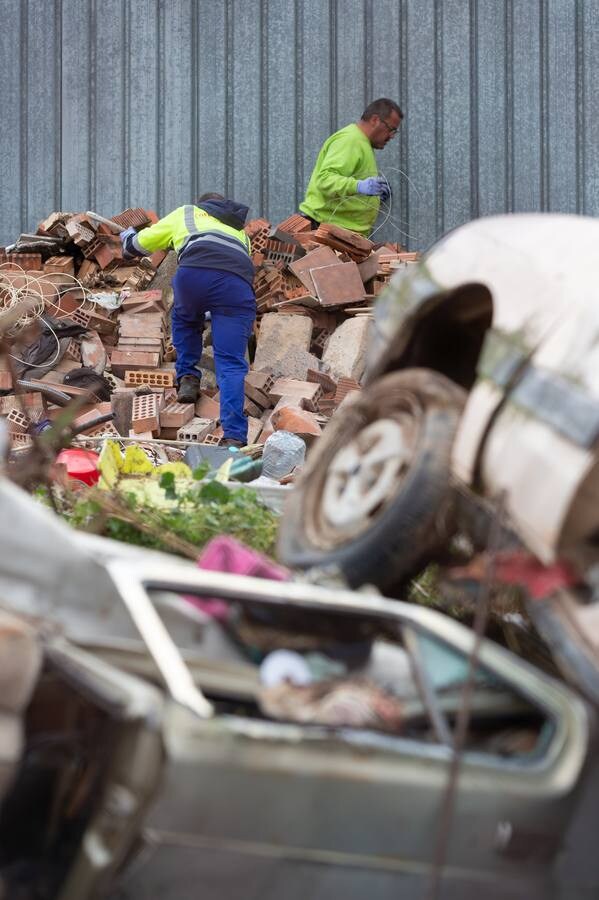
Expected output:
(345, 187)
(215, 274)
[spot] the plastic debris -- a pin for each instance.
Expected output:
(284, 666)
(283, 451)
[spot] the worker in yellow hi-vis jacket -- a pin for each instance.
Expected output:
(215, 274)
(345, 187)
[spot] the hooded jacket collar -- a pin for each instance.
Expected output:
(229, 212)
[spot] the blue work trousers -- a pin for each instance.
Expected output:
(231, 303)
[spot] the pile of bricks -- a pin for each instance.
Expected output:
(86, 247)
(314, 291)
(328, 267)
(69, 264)
(143, 333)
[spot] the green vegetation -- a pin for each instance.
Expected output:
(181, 520)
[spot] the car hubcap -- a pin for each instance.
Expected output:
(363, 474)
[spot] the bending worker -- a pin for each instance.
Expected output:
(215, 274)
(345, 187)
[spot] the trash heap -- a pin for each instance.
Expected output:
(82, 323)
(86, 247)
(315, 291)
(79, 324)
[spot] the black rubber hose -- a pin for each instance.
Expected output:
(99, 420)
(52, 393)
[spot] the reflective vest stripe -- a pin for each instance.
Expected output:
(141, 250)
(190, 219)
(190, 223)
(215, 238)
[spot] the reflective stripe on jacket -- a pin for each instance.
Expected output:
(176, 229)
(200, 240)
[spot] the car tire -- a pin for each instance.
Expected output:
(375, 497)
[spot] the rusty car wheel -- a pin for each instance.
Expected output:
(375, 494)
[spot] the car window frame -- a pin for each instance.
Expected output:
(135, 582)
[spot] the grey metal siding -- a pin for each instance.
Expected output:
(111, 103)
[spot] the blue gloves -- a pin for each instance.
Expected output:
(376, 186)
(125, 241)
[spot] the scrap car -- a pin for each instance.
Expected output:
(481, 391)
(143, 754)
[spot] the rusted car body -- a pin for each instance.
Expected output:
(146, 768)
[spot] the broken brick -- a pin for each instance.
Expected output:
(345, 353)
(328, 384)
(215, 437)
(106, 429)
(135, 217)
(355, 245)
(296, 420)
(345, 386)
(176, 415)
(207, 408)
(73, 351)
(30, 262)
(18, 422)
(256, 396)
(294, 224)
(142, 435)
(305, 391)
(89, 413)
(60, 265)
(254, 429)
(252, 409)
(263, 381)
(87, 271)
(93, 353)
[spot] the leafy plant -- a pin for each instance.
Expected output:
(199, 512)
(167, 483)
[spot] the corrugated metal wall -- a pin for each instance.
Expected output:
(111, 103)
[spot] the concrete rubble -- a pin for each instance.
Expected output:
(108, 342)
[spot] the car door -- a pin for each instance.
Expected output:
(241, 785)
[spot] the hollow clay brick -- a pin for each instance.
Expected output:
(145, 414)
(175, 415)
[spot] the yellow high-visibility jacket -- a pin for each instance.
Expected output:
(200, 238)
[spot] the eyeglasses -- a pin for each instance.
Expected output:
(392, 131)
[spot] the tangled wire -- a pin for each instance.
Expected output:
(30, 294)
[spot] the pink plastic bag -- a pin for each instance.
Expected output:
(226, 554)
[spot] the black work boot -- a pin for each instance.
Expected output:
(231, 442)
(189, 389)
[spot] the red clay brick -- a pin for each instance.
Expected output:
(145, 415)
(176, 415)
(122, 360)
(60, 265)
(154, 378)
(18, 423)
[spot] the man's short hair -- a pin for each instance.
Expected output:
(382, 108)
(208, 197)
